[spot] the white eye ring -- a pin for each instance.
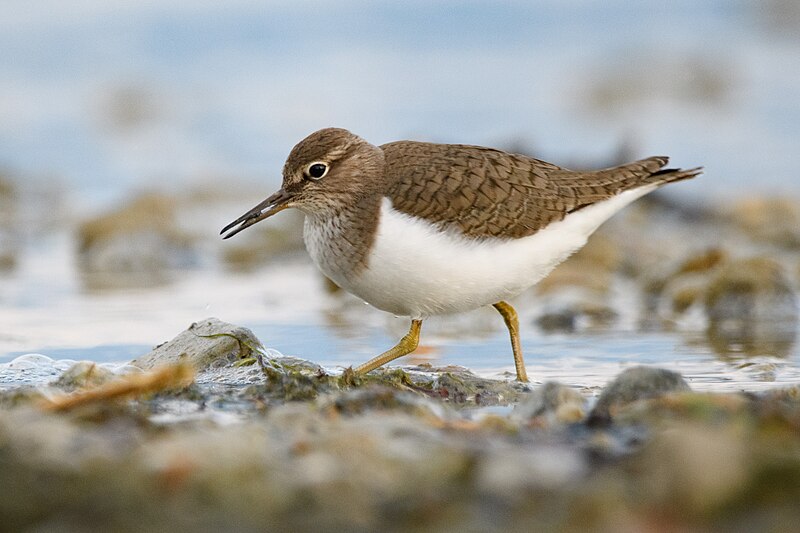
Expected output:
(313, 172)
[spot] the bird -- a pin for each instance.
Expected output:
(420, 229)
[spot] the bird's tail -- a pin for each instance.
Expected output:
(648, 171)
(591, 187)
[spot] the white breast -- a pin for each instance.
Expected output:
(416, 270)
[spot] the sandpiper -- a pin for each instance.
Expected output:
(420, 229)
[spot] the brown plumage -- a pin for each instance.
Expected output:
(483, 192)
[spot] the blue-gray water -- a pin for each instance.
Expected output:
(287, 308)
(109, 96)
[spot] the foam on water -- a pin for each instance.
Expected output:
(35, 369)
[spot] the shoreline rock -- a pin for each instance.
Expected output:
(401, 449)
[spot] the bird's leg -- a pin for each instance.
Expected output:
(406, 345)
(512, 323)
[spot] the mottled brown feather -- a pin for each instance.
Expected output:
(483, 192)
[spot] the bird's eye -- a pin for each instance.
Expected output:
(316, 171)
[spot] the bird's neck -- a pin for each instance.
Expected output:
(339, 239)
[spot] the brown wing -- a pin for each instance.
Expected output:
(482, 192)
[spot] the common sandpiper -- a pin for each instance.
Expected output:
(420, 229)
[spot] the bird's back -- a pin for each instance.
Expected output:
(483, 192)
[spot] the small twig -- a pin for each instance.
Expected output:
(158, 379)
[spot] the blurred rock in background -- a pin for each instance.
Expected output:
(138, 243)
(752, 309)
(767, 220)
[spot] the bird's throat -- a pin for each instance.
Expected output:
(339, 241)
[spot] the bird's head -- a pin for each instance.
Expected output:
(325, 171)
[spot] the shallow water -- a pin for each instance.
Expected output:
(287, 307)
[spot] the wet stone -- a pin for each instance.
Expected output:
(393, 451)
(634, 384)
(755, 289)
(205, 344)
(672, 294)
(293, 379)
(685, 406)
(550, 404)
(8, 198)
(299, 380)
(751, 308)
(21, 396)
(460, 386)
(746, 306)
(226, 354)
(716, 457)
(381, 398)
(781, 406)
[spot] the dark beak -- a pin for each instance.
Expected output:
(277, 202)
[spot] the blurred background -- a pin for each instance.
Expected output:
(130, 132)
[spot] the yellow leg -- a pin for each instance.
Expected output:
(406, 345)
(512, 323)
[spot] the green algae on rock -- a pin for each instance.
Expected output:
(217, 349)
(295, 379)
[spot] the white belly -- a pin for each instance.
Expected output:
(416, 270)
